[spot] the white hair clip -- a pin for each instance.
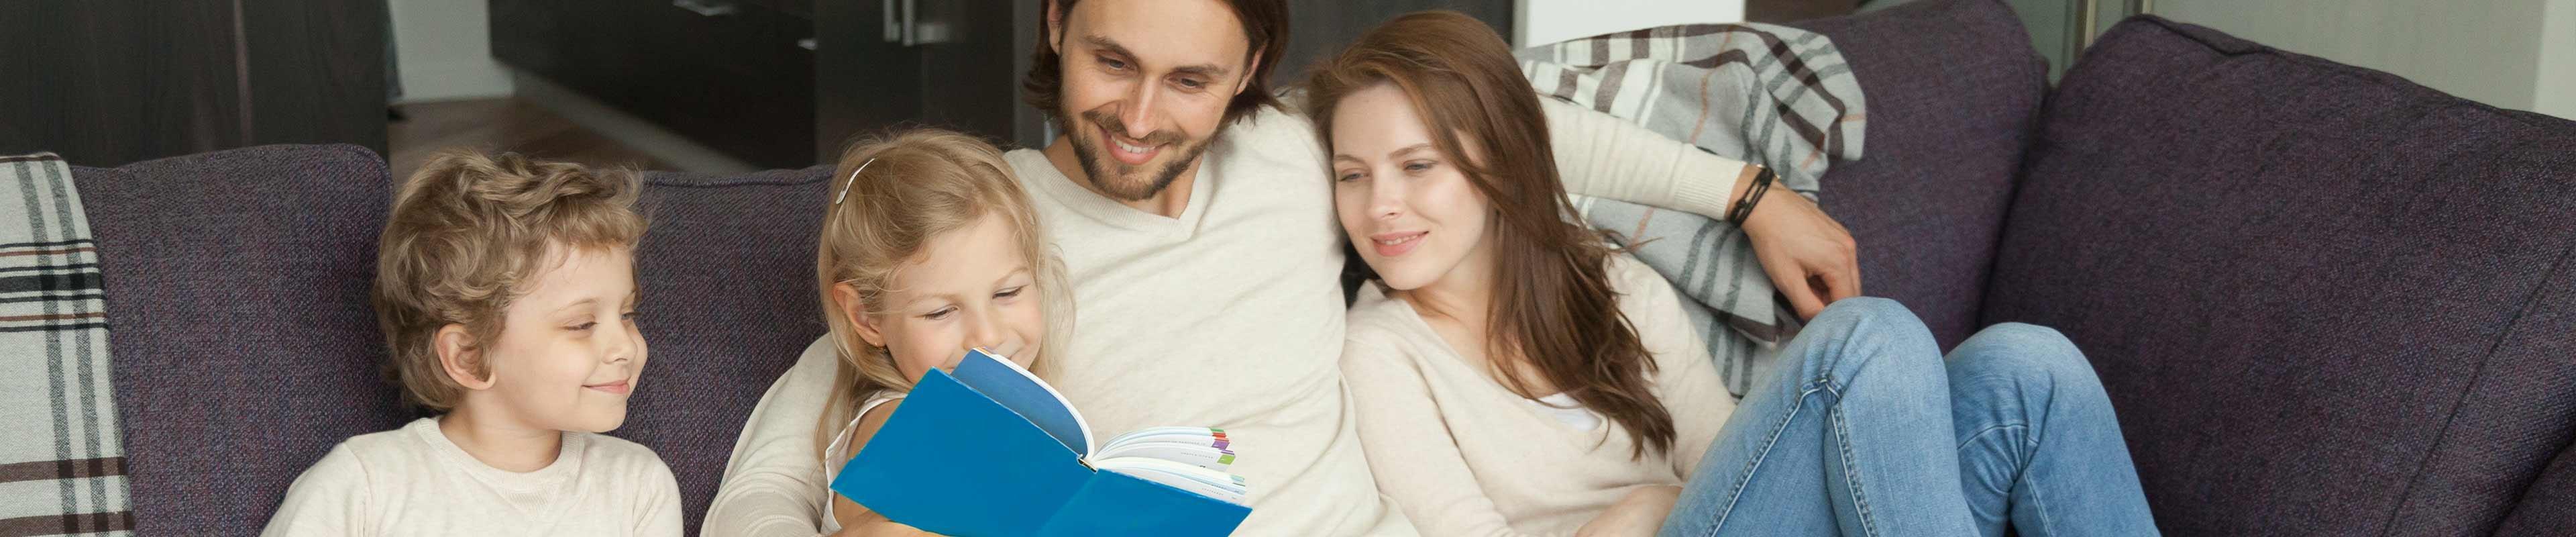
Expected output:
(854, 178)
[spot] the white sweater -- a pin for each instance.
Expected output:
(1228, 316)
(414, 481)
(1466, 456)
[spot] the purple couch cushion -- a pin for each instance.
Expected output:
(2550, 504)
(727, 268)
(1954, 89)
(237, 312)
(2325, 300)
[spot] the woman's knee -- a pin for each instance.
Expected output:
(1875, 334)
(2027, 351)
(1870, 318)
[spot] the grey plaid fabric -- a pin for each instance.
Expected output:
(1771, 95)
(62, 464)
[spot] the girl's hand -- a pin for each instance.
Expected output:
(1808, 255)
(858, 521)
(1641, 512)
(850, 515)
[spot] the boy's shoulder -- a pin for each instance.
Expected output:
(381, 450)
(622, 457)
(361, 467)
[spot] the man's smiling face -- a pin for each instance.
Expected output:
(1146, 85)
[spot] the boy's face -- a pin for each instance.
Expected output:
(569, 354)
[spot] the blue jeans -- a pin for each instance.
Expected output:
(1866, 430)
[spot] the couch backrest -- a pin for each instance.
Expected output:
(2325, 300)
(727, 270)
(1953, 89)
(242, 343)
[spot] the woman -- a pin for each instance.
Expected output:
(1514, 374)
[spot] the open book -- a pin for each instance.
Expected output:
(988, 449)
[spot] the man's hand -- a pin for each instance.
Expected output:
(1641, 512)
(1808, 255)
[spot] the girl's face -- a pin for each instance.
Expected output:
(1409, 210)
(970, 287)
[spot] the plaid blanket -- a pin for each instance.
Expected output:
(1770, 95)
(62, 464)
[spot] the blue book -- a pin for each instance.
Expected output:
(988, 449)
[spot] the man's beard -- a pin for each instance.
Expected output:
(1106, 173)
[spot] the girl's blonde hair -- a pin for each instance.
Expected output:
(915, 186)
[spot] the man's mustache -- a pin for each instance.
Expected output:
(1110, 121)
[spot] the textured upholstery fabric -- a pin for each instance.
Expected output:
(2325, 300)
(727, 270)
(242, 342)
(1954, 89)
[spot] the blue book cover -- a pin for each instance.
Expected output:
(988, 449)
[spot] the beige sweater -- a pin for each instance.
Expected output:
(414, 481)
(1228, 316)
(1466, 456)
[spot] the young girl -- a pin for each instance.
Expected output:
(928, 249)
(1514, 375)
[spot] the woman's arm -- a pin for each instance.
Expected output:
(1810, 257)
(1409, 448)
(1602, 156)
(773, 484)
(1641, 512)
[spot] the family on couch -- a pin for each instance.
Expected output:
(1175, 257)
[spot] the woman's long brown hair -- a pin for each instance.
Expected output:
(1553, 307)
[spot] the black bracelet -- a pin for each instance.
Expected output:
(1752, 195)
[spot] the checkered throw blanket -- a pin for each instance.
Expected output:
(1770, 95)
(62, 464)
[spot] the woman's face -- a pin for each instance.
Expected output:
(1410, 211)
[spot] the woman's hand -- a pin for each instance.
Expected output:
(1641, 512)
(1808, 255)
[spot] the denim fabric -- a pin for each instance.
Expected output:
(1867, 430)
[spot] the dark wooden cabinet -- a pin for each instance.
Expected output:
(109, 82)
(730, 74)
(726, 74)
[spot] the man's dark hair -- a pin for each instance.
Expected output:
(1265, 29)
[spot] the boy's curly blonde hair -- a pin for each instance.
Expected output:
(466, 233)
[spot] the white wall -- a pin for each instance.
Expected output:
(1548, 21)
(444, 51)
(2556, 92)
(2483, 50)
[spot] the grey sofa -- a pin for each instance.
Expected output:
(2325, 300)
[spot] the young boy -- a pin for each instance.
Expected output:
(506, 290)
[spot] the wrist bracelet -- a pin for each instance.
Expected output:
(1752, 195)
